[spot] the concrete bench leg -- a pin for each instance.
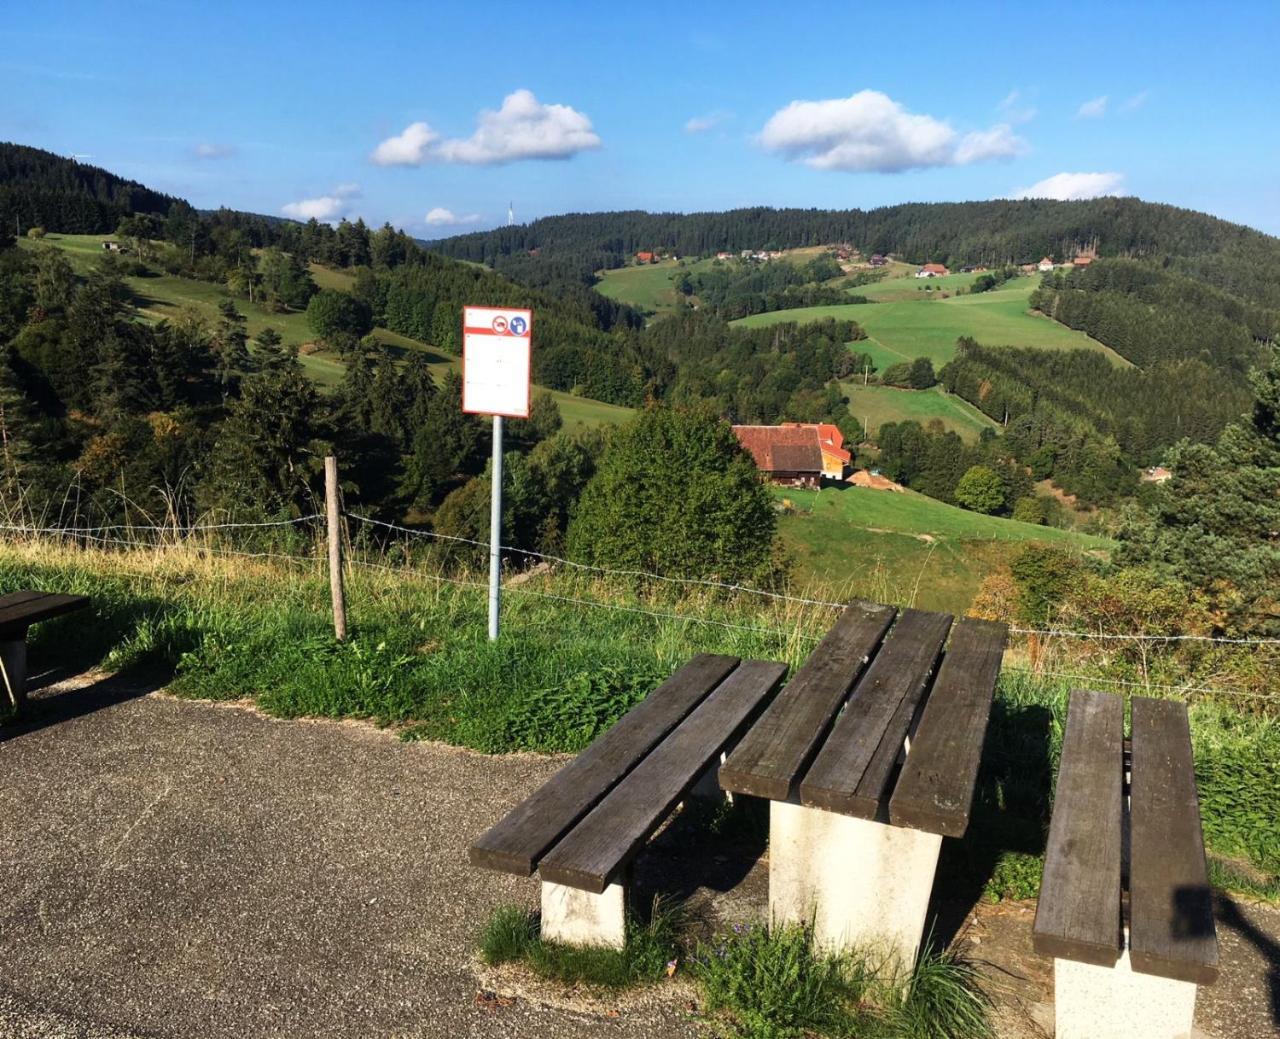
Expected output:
(862, 884)
(1092, 1002)
(707, 788)
(576, 917)
(13, 659)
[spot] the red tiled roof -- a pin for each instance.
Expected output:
(782, 448)
(830, 439)
(935, 268)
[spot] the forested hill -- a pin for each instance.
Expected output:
(1230, 256)
(39, 188)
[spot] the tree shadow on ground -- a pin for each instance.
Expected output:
(1011, 808)
(1228, 913)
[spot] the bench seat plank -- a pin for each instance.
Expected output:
(852, 770)
(17, 616)
(595, 850)
(1171, 928)
(773, 755)
(934, 791)
(517, 841)
(1078, 916)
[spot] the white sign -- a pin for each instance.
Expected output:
(495, 361)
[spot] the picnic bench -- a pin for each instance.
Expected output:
(868, 758)
(1125, 907)
(581, 829)
(18, 611)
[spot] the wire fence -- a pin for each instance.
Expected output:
(1047, 648)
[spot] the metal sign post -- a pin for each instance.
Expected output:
(496, 353)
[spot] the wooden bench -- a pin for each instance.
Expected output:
(18, 611)
(1125, 907)
(581, 829)
(868, 758)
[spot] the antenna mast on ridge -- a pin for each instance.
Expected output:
(511, 214)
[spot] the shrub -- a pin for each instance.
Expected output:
(981, 490)
(331, 313)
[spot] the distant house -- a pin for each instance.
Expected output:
(646, 258)
(1082, 261)
(1045, 265)
(878, 261)
(932, 270)
(111, 247)
(1156, 474)
(788, 455)
(835, 459)
(724, 256)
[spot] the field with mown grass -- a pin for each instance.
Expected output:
(873, 406)
(229, 628)
(162, 296)
(648, 288)
(903, 548)
(904, 329)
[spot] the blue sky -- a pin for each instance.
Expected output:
(378, 109)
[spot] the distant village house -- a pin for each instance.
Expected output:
(932, 270)
(1045, 265)
(111, 247)
(646, 258)
(878, 261)
(1082, 261)
(796, 454)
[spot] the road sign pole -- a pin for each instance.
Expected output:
(495, 531)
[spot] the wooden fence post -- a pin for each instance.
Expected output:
(333, 518)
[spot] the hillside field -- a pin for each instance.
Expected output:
(162, 296)
(906, 548)
(875, 405)
(900, 331)
(648, 288)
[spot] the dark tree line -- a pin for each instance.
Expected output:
(739, 289)
(1234, 258)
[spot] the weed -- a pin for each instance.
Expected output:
(507, 936)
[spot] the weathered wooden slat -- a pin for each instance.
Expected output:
(1078, 916)
(773, 755)
(591, 854)
(16, 617)
(934, 790)
(14, 598)
(515, 843)
(853, 768)
(1171, 928)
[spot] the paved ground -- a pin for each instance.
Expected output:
(174, 869)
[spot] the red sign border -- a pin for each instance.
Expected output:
(528, 383)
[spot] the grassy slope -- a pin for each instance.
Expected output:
(876, 405)
(648, 288)
(164, 296)
(901, 330)
(851, 541)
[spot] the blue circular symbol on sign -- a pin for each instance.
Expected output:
(518, 326)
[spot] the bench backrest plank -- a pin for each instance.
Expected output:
(517, 842)
(1078, 916)
(1171, 928)
(590, 854)
(851, 772)
(16, 617)
(773, 755)
(934, 791)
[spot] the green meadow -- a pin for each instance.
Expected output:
(161, 296)
(648, 288)
(928, 327)
(905, 548)
(873, 406)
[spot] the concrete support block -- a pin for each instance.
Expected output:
(13, 660)
(862, 884)
(576, 917)
(707, 787)
(1092, 1002)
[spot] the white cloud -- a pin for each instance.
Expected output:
(1132, 104)
(209, 150)
(871, 132)
(408, 148)
(1095, 108)
(326, 208)
(441, 217)
(1015, 108)
(703, 123)
(1074, 186)
(523, 128)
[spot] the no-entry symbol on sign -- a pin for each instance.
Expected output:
(495, 361)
